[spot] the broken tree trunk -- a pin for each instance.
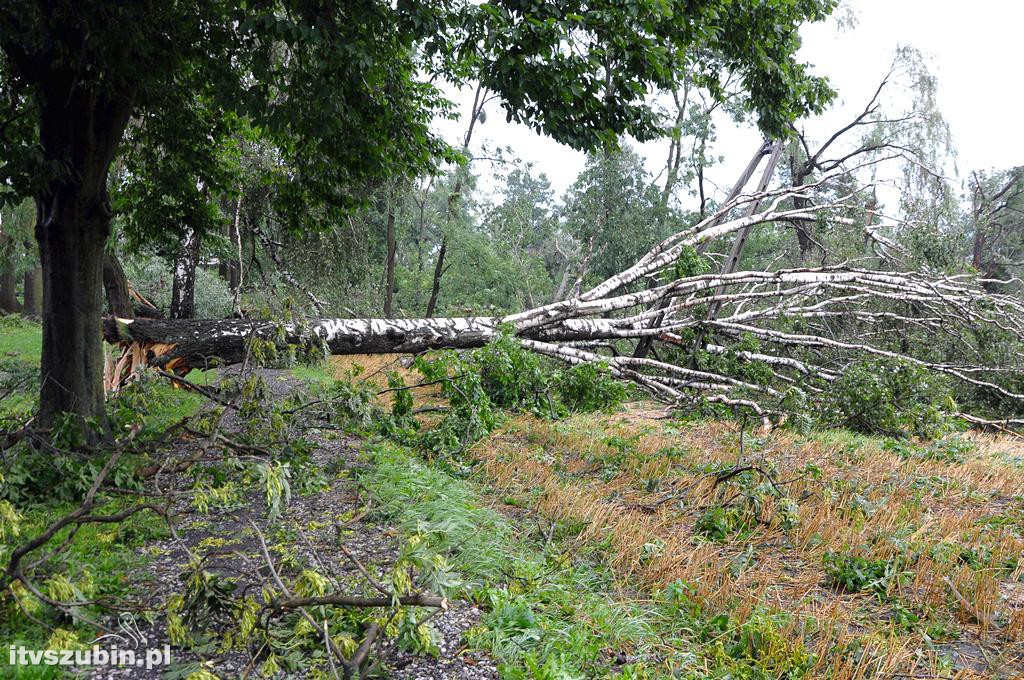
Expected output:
(198, 343)
(182, 344)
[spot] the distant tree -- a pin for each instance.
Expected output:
(996, 224)
(522, 227)
(614, 211)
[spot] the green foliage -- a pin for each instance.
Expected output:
(61, 469)
(586, 388)
(858, 574)
(719, 523)
(887, 397)
(616, 212)
(954, 449)
(754, 647)
(512, 376)
(502, 374)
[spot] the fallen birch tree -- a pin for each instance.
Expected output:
(807, 327)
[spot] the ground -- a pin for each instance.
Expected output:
(621, 544)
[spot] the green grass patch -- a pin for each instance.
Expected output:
(20, 339)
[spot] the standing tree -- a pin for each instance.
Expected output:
(340, 89)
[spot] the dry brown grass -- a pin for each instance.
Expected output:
(374, 369)
(640, 484)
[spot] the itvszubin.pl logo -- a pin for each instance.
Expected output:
(125, 649)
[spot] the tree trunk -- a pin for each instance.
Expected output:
(80, 126)
(563, 284)
(799, 173)
(119, 301)
(435, 288)
(389, 265)
(8, 294)
(230, 269)
(183, 288)
(72, 230)
(978, 249)
(33, 294)
(202, 342)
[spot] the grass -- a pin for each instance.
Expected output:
(912, 555)
(20, 339)
(624, 545)
(20, 352)
(554, 606)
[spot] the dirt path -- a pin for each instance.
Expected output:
(316, 525)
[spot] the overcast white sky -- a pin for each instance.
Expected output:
(972, 48)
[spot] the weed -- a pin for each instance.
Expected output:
(857, 574)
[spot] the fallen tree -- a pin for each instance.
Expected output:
(762, 340)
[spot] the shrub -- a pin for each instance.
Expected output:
(893, 398)
(512, 376)
(516, 378)
(588, 387)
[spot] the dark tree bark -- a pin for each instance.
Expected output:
(389, 265)
(435, 288)
(79, 130)
(33, 292)
(119, 301)
(8, 294)
(800, 173)
(183, 288)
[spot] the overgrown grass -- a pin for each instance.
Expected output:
(554, 608)
(908, 552)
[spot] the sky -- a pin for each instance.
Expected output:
(972, 48)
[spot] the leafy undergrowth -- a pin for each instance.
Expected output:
(39, 487)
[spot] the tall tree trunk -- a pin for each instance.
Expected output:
(183, 287)
(72, 230)
(115, 283)
(435, 289)
(80, 127)
(33, 294)
(479, 99)
(8, 293)
(230, 269)
(389, 265)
